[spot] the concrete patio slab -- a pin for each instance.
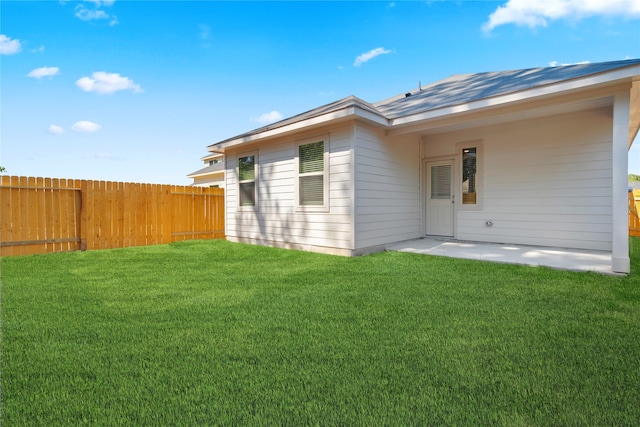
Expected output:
(565, 259)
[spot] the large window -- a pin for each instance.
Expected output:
(247, 180)
(469, 176)
(312, 174)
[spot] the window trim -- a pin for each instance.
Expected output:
(256, 169)
(478, 145)
(325, 175)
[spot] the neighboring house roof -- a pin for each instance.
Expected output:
(218, 167)
(444, 95)
(211, 156)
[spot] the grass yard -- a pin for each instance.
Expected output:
(216, 333)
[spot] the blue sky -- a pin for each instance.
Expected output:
(136, 90)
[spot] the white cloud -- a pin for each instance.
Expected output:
(537, 13)
(99, 3)
(55, 129)
(105, 83)
(9, 46)
(368, 56)
(86, 14)
(90, 15)
(270, 117)
(38, 49)
(85, 126)
(41, 72)
(556, 63)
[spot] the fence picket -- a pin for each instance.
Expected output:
(634, 213)
(39, 215)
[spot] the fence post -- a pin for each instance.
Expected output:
(84, 205)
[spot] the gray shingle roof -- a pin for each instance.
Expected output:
(455, 90)
(464, 88)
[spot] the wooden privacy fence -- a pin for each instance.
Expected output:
(39, 215)
(634, 213)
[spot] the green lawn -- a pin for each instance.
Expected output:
(216, 333)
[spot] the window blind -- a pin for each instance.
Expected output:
(248, 193)
(441, 182)
(312, 157)
(312, 190)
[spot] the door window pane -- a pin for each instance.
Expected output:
(441, 182)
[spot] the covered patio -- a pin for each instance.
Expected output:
(559, 258)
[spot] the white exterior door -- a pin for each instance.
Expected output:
(440, 198)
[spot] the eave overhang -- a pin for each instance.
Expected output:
(588, 92)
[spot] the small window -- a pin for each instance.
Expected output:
(311, 174)
(469, 176)
(247, 180)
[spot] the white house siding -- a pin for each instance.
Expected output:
(275, 222)
(546, 181)
(387, 188)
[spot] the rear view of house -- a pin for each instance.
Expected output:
(535, 157)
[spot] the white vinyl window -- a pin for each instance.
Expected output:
(312, 176)
(470, 175)
(247, 181)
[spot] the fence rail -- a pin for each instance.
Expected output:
(39, 215)
(634, 213)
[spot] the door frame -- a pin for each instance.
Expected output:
(454, 191)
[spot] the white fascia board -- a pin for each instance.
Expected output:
(345, 113)
(529, 94)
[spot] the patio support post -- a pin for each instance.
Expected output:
(620, 262)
